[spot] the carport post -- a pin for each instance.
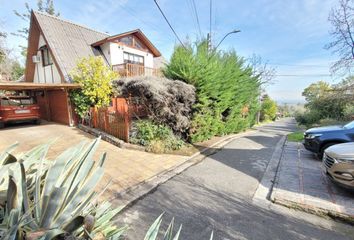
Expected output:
(71, 121)
(47, 107)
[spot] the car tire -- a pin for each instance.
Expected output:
(327, 145)
(37, 122)
(2, 125)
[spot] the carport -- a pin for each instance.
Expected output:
(53, 99)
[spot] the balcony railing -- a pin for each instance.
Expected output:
(135, 70)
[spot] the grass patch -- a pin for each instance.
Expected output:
(296, 136)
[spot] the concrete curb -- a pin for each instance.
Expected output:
(131, 195)
(265, 187)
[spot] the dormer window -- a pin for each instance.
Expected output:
(47, 59)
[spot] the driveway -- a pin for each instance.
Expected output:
(124, 167)
(216, 195)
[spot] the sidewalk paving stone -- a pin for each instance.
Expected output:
(301, 183)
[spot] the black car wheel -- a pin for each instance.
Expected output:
(2, 125)
(327, 145)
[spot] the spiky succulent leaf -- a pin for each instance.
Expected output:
(151, 234)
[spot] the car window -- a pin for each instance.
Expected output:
(14, 102)
(349, 125)
(27, 101)
(17, 101)
(4, 102)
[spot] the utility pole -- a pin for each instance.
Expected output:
(209, 34)
(209, 42)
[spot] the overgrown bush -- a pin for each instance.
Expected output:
(268, 109)
(349, 112)
(167, 102)
(95, 78)
(308, 118)
(325, 101)
(227, 90)
(156, 138)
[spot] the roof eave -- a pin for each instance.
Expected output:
(149, 44)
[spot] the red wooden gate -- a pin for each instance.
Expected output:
(115, 123)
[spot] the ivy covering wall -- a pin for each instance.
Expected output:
(226, 89)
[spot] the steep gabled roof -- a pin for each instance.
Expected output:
(67, 41)
(138, 33)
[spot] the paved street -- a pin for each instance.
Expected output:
(216, 195)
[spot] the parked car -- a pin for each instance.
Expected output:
(317, 140)
(18, 109)
(338, 161)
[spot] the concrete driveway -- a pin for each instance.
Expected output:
(125, 167)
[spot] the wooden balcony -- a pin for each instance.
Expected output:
(135, 70)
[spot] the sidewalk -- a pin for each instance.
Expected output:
(301, 184)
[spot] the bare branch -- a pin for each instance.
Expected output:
(262, 70)
(342, 20)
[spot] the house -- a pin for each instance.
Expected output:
(54, 48)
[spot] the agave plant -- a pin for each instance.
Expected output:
(52, 200)
(152, 233)
(46, 200)
(9, 163)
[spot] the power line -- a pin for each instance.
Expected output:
(304, 75)
(158, 6)
(135, 14)
(191, 11)
(197, 17)
(298, 65)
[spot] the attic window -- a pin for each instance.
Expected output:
(47, 59)
(127, 40)
(138, 44)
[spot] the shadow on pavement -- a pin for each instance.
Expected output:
(203, 209)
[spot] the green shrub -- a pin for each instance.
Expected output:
(95, 78)
(308, 118)
(330, 121)
(268, 109)
(227, 89)
(325, 101)
(156, 138)
(349, 112)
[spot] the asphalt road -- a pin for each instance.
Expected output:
(216, 195)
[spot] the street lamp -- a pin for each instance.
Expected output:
(232, 32)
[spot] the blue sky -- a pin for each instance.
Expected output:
(289, 34)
